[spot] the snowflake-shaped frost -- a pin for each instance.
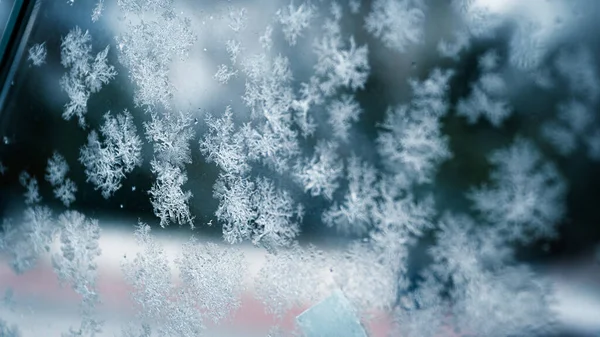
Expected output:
(412, 143)
(340, 64)
(86, 75)
(294, 20)
(212, 278)
(526, 197)
(223, 145)
(320, 174)
(107, 162)
(169, 200)
(170, 134)
(37, 54)
(352, 216)
(56, 172)
(32, 193)
(398, 23)
(26, 242)
(342, 113)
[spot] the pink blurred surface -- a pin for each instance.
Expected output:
(42, 285)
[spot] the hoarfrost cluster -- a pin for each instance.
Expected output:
(107, 161)
(86, 74)
(332, 121)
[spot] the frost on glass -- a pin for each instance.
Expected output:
(370, 277)
(469, 261)
(527, 45)
(109, 159)
(209, 287)
(488, 95)
(237, 19)
(480, 20)
(56, 174)
(309, 96)
(75, 265)
(37, 54)
(224, 74)
(397, 23)
(295, 19)
(153, 6)
(148, 272)
(212, 277)
(170, 134)
(256, 211)
(319, 175)
(149, 275)
(236, 210)
(250, 209)
(451, 48)
(270, 137)
(272, 282)
(525, 198)
(338, 143)
(148, 46)
(97, 11)
(430, 96)
(579, 70)
(422, 312)
(169, 200)
(574, 127)
(352, 216)
(32, 191)
(27, 238)
(412, 143)
(85, 75)
(224, 145)
(410, 140)
(278, 215)
(341, 63)
(399, 211)
(343, 112)
(234, 48)
(527, 314)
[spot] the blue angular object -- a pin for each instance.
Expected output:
(332, 317)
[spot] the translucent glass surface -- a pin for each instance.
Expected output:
(280, 168)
